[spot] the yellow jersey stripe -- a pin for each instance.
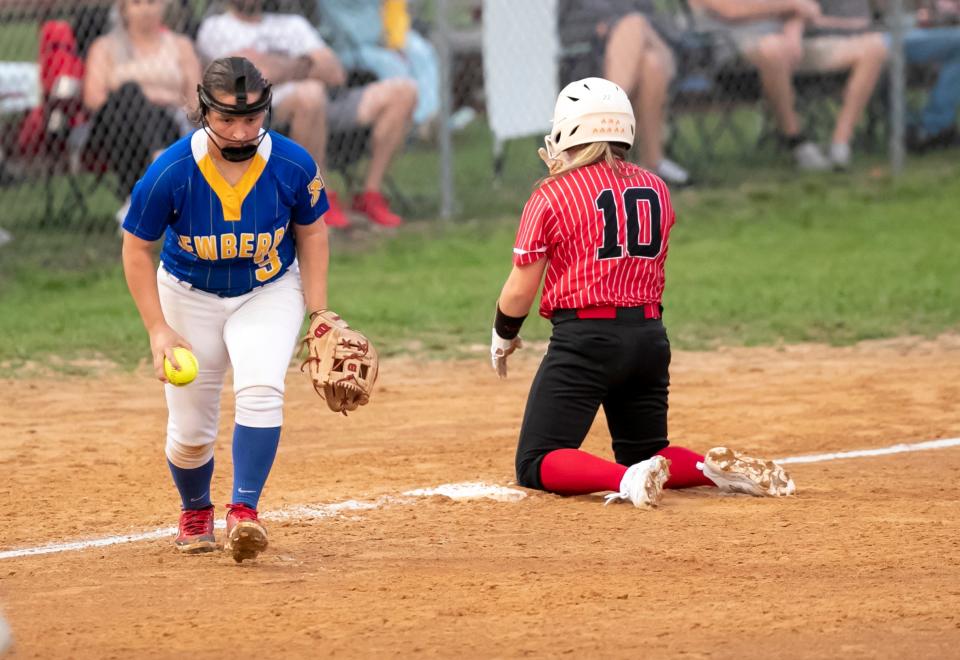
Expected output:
(231, 196)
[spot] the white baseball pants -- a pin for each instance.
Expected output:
(255, 333)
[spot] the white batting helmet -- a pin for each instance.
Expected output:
(590, 110)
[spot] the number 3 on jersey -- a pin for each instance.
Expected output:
(269, 265)
(607, 203)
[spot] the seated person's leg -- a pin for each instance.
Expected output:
(774, 57)
(381, 62)
(387, 107)
(425, 69)
(771, 56)
(303, 107)
(417, 62)
(657, 70)
(864, 55)
(626, 45)
(637, 59)
(938, 120)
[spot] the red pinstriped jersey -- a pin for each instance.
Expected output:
(605, 237)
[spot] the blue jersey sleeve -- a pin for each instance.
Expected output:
(311, 198)
(151, 203)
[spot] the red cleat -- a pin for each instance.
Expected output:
(375, 207)
(335, 217)
(196, 531)
(246, 535)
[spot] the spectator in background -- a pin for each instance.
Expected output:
(140, 81)
(770, 34)
(376, 35)
(933, 37)
(623, 46)
(310, 96)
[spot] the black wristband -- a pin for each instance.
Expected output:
(507, 327)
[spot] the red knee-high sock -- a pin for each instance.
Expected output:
(683, 468)
(575, 472)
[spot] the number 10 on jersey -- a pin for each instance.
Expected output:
(607, 203)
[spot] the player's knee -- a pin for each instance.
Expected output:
(528, 471)
(259, 406)
(188, 456)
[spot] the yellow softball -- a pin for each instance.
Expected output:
(188, 367)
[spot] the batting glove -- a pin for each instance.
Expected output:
(500, 348)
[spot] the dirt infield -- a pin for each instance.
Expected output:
(865, 562)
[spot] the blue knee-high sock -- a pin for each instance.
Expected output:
(193, 484)
(253, 453)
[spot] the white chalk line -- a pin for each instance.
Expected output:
(459, 491)
(882, 451)
(462, 491)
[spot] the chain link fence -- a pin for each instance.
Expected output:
(92, 90)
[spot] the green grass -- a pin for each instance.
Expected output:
(18, 40)
(827, 258)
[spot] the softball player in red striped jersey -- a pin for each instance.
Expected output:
(596, 232)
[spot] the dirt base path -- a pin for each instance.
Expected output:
(865, 562)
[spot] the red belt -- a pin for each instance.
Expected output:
(646, 311)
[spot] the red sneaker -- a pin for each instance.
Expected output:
(375, 207)
(246, 536)
(196, 531)
(335, 217)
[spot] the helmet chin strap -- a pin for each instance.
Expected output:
(234, 154)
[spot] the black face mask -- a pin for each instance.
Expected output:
(239, 154)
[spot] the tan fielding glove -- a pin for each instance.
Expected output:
(343, 365)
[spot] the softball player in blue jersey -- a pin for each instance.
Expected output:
(243, 256)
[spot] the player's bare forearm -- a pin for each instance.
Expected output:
(313, 254)
(521, 288)
(141, 275)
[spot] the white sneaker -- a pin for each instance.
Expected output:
(672, 173)
(809, 157)
(642, 483)
(840, 156)
(736, 473)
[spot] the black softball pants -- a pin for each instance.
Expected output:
(621, 364)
